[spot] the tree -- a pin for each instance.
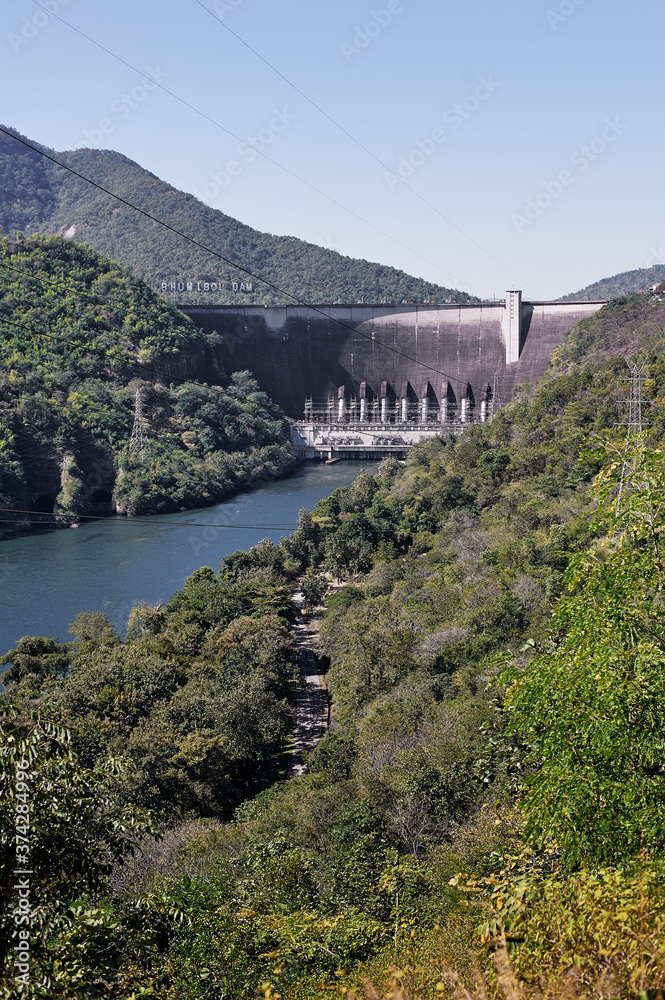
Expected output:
(304, 543)
(352, 545)
(370, 649)
(591, 705)
(64, 825)
(38, 656)
(92, 629)
(314, 587)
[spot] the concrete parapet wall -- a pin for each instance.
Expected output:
(446, 352)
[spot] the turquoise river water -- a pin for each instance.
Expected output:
(46, 578)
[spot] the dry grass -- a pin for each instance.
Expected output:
(504, 984)
(173, 855)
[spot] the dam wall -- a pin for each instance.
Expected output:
(414, 361)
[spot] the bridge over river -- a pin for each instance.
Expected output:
(370, 380)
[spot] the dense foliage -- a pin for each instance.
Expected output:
(79, 336)
(489, 799)
(37, 196)
(599, 791)
(640, 280)
(195, 694)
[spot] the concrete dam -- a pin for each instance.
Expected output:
(364, 380)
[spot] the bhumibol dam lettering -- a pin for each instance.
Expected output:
(207, 286)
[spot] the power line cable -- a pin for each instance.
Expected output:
(218, 390)
(99, 300)
(123, 359)
(45, 524)
(199, 385)
(240, 267)
(104, 413)
(233, 135)
(167, 375)
(358, 142)
(137, 520)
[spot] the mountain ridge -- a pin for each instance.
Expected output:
(623, 283)
(36, 196)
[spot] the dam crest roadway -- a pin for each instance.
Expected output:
(365, 381)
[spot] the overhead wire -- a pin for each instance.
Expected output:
(94, 517)
(146, 368)
(233, 135)
(107, 353)
(241, 267)
(167, 375)
(357, 142)
(113, 355)
(199, 385)
(217, 390)
(137, 520)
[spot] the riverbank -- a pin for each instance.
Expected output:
(252, 474)
(48, 577)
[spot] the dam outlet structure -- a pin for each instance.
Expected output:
(365, 381)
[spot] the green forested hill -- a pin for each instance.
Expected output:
(79, 335)
(490, 799)
(640, 280)
(36, 196)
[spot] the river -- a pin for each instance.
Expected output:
(47, 578)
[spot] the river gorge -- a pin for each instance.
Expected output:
(48, 577)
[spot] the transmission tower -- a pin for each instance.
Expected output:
(140, 443)
(492, 400)
(634, 424)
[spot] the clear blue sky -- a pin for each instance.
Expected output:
(552, 165)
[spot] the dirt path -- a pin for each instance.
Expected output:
(312, 704)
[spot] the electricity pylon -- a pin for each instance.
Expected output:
(140, 443)
(634, 424)
(496, 375)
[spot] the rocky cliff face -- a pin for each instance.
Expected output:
(200, 361)
(58, 481)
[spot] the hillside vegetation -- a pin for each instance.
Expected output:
(80, 335)
(37, 196)
(625, 283)
(489, 803)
